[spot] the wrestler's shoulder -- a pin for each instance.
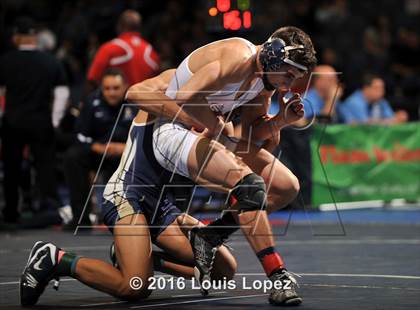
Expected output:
(236, 56)
(238, 46)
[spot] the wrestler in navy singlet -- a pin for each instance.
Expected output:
(136, 186)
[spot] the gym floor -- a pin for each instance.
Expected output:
(365, 259)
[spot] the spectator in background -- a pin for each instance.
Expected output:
(31, 79)
(323, 96)
(96, 122)
(129, 52)
(319, 103)
(368, 105)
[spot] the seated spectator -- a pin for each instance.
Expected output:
(94, 127)
(322, 98)
(369, 106)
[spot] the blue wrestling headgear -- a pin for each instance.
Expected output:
(275, 52)
(286, 46)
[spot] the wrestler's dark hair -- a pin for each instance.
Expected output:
(295, 36)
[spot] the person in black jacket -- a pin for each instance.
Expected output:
(101, 129)
(36, 92)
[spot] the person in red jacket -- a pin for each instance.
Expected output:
(129, 52)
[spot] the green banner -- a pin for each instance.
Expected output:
(365, 162)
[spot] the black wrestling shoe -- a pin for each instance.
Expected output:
(286, 296)
(204, 248)
(39, 271)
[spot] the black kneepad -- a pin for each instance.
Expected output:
(249, 194)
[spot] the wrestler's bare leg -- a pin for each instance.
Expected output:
(210, 164)
(132, 245)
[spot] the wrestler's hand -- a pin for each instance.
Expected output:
(292, 109)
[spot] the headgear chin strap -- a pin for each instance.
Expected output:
(273, 54)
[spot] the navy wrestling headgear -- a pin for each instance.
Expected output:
(274, 52)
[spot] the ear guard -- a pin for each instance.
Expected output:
(275, 52)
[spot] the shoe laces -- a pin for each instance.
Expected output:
(202, 255)
(285, 274)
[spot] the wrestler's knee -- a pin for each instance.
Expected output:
(280, 196)
(293, 187)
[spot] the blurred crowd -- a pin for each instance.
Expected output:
(352, 36)
(368, 72)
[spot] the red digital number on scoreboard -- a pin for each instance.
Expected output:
(223, 5)
(235, 14)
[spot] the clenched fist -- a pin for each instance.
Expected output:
(292, 108)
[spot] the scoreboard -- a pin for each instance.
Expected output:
(229, 15)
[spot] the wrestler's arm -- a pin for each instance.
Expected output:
(150, 96)
(192, 95)
(265, 126)
(209, 79)
(256, 123)
(253, 115)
